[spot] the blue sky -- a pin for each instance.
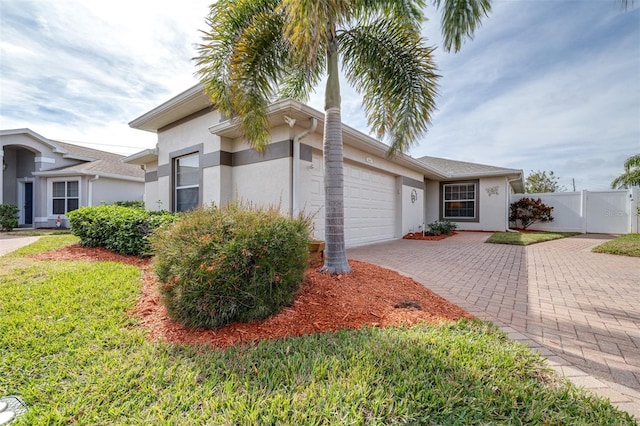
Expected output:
(545, 85)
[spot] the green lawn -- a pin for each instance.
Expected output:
(625, 245)
(38, 232)
(73, 354)
(525, 239)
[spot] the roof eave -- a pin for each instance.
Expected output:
(513, 175)
(51, 144)
(352, 137)
(143, 157)
(229, 127)
(63, 173)
(79, 157)
(495, 173)
(188, 102)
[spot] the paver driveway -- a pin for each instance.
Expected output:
(580, 309)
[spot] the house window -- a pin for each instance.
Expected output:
(459, 200)
(187, 182)
(65, 196)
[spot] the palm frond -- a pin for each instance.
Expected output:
(631, 175)
(298, 82)
(460, 18)
(388, 64)
(242, 61)
(632, 162)
(307, 24)
(409, 12)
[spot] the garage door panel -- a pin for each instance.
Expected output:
(369, 204)
(370, 213)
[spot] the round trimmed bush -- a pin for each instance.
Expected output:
(237, 263)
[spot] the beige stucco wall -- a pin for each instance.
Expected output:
(163, 201)
(152, 196)
(366, 159)
(9, 187)
(308, 185)
(431, 202)
(277, 134)
(151, 191)
(492, 206)
(412, 211)
(212, 192)
(265, 183)
(106, 190)
(188, 134)
(492, 195)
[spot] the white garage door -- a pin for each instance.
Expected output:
(369, 201)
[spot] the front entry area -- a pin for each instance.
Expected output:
(25, 203)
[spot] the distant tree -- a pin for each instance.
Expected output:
(631, 175)
(539, 182)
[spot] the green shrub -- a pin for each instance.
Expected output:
(237, 263)
(528, 211)
(136, 204)
(441, 227)
(123, 230)
(8, 217)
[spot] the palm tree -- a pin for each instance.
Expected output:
(631, 175)
(257, 51)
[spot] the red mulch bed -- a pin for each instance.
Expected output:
(420, 236)
(370, 295)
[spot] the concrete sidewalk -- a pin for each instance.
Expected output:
(579, 309)
(11, 242)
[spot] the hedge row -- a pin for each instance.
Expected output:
(123, 230)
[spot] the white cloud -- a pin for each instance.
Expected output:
(550, 86)
(85, 69)
(545, 85)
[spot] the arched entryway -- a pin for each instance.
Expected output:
(18, 182)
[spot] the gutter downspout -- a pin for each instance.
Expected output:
(95, 178)
(507, 195)
(295, 175)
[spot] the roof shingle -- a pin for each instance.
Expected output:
(97, 162)
(455, 168)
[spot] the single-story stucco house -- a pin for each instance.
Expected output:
(201, 159)
(47, 178)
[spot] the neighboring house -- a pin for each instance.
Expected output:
(201, 159)
(48, 178)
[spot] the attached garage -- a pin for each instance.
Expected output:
(384, 197)
(369, 203)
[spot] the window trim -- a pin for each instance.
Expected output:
(476, 200)
(66, 197)
(175, 157)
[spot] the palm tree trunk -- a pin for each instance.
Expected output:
(335, 261)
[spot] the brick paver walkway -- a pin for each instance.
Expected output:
(579, 309)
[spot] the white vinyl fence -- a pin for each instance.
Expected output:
(599, 212)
